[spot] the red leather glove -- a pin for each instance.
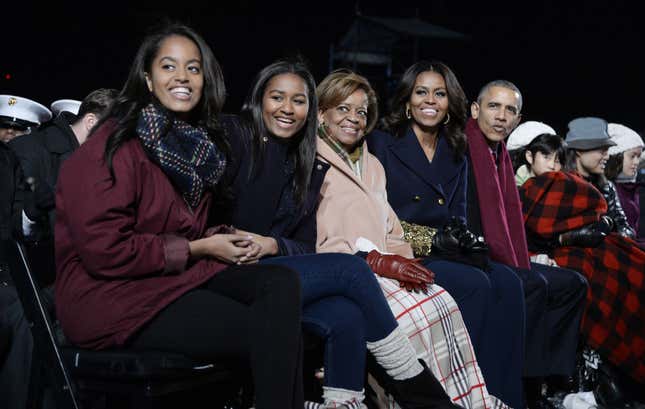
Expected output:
(409, 273)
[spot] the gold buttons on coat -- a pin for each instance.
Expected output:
(441, 201)
(417, 198)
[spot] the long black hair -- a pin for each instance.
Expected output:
(546, 144)
(135, 94)
(303, 144)
(598, 180)
(397, 122)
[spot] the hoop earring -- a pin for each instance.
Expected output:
(447, 118)
(407, 113)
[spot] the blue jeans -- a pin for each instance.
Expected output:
(343, 304)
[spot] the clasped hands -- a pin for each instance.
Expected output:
(234, 246)
(410, 274)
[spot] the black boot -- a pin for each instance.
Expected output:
(609, 392)
(422, 391)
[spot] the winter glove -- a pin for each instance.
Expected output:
(590, 235)
(469, 243)
(39, 200)
(455, 237)
(456, 243)
(446, 240)
(605, 224)
(409, 273)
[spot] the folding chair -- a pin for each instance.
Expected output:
(138, 377)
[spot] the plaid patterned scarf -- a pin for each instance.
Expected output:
(352, 159)
(185, 154)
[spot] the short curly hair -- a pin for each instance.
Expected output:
(342, 83)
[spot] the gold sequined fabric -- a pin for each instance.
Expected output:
(420, 238)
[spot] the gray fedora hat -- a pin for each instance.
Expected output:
(588, 133)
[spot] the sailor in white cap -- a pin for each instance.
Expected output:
(19, 115)
(42, 153)
(65, 105)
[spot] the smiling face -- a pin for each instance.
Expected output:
(498, 113)
(346, 122)
(175, 76)
(285, 105)
(428, 103)
(592, 162)
(631, 158)
(542, 163)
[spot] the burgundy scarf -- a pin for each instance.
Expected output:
(499, 201)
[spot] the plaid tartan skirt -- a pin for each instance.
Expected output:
(434, 325)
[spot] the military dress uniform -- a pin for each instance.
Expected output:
(18, 116)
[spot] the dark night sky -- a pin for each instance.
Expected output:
(568, 58)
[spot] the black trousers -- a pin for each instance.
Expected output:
(15, 365)
(555, 301)
(246, 313)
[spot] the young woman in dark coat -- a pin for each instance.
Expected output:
(136, 264)
(275, 184)
(422, 147)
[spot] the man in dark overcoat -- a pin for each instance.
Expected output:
(555, 297)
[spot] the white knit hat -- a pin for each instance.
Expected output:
(624, 137)
(525, 133)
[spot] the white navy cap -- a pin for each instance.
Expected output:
(68, 105)
(525, 133)
(22, 111)
(624, 137)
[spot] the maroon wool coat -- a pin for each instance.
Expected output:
(121, 248)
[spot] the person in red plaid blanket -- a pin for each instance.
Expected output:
(567, 216)
(554, 297)
(535, 148)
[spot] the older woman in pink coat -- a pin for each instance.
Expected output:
(355, 217)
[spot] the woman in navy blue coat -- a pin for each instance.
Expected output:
(274, 182)
(422, 148)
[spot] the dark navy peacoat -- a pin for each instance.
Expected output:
(254, 202)
(419, 191)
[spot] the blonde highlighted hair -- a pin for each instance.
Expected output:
(342, 83)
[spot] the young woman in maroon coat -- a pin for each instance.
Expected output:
(136, 265)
